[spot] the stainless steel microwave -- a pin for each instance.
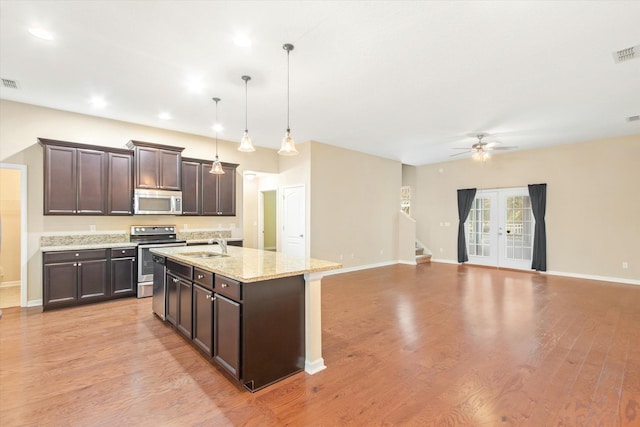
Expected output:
(157, 202)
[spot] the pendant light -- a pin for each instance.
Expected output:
(216, 167)
(288, 147)
(246, 144)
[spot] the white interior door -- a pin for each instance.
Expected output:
(499, 229)
(293, 221)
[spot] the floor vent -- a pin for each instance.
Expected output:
(11, 84)
(626, 54)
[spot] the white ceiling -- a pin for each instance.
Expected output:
(406, 80)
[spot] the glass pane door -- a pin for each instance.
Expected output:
(481, 229)
(516, 230)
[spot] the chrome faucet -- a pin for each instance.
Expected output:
(222, 243)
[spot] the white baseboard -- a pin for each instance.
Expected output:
(592, 277)
(358, 268)
(406, 262)
(9, 284)
(34, 303)
(444, 261)
(313, 367)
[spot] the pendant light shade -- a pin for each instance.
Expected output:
(288, 147)
(216, 167)
(246, 144)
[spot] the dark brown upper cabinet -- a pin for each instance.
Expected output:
(207, 194)
(120, 183)
(81, 179)
(157, 166)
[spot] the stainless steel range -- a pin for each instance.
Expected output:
(148, 237)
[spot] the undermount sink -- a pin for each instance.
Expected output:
(204, 255)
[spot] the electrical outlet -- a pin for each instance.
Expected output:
(340, 257)
(381, 251)
(625, 265)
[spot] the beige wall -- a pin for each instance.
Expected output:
(10, 217)
(269, 219)
(22, 124)
(355, 199)
(593, 202)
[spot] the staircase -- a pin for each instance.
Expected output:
(421, 256)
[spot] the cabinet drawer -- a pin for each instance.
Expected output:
(179, 269)
(70, 256)
(123, 252)
(203, 278)
(228, 287)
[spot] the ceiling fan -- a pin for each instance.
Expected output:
(481, 149)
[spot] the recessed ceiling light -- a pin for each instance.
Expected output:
(242, 40)
(194, 84)
(165, 116)
(98, 102)
(217, 127)
(41, 33)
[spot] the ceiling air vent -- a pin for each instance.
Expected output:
(633, 118)
(626, 54)
(11, 84)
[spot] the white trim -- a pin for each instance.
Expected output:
(9, 284)
(592, 277)
(34, 303)
(407, 262)
(444, 261)
(359, 267)
(315, 366)
(23, 230)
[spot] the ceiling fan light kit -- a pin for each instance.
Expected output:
(480, 150)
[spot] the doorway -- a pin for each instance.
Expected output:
(13, 235)
(499, 229)
(267, 228)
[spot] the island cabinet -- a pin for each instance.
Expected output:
(207, 194)
(157, 166)
(81, 179)
(87, 276)
(179, 296)
(203, 299)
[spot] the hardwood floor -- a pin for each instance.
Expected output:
(434, 345)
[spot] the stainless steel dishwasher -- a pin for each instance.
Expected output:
(159, 303)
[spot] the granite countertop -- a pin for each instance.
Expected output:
(80, 247)
(248, 265)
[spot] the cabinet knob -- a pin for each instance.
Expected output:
(224, 285)
(75, 264)
(77, 254)
(124, 251)
(79, 264)
(200, 276)
(175, 280)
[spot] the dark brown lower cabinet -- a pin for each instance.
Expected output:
(203, 319)
(173, 287)
(253, 331)
(185, 312)
(123, 272)
(74, 277)
(226, 333)
(87, 276)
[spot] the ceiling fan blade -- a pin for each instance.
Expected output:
(457, 154)
(499, 148)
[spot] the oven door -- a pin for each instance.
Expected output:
(145, 265)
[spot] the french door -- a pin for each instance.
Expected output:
(499, 229)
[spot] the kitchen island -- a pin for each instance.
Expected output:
(255, 313)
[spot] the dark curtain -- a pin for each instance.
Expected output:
(538, 196)
(465, 198)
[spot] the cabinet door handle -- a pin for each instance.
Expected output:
(224, 285)
(175, 280)
(200, 276)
